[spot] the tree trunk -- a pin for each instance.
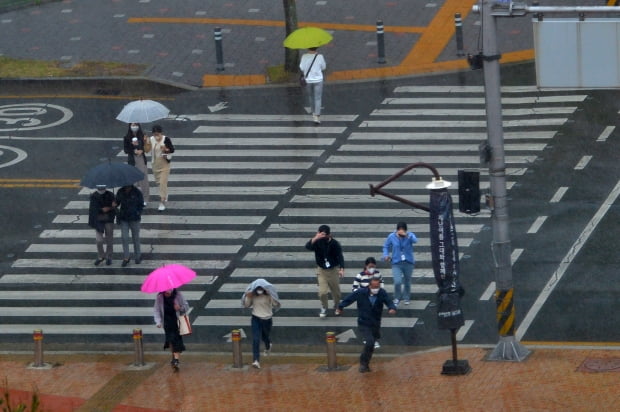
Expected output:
(291, 57)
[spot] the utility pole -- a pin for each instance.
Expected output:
(508, 347)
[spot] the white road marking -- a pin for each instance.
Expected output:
(301, 321)
(460, 335)
(515, 255)
(556, 277)
(558, 194)
(537, 224)
(583, 162)
(489, 292)
(606, 133)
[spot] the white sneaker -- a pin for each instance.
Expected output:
(316, 119)
(256, 364)
(144, 204)
(161, 207)
(268, 351)
(377, 344)
(396, 302)
(407, 302)
(323, 313)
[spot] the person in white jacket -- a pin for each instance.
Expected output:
(168, 305)
(262, 297)
(312, 65)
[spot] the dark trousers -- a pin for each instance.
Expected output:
(261, 329)
(369, 335)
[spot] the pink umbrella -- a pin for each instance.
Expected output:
(167, 277)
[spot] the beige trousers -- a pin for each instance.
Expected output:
(329, 281)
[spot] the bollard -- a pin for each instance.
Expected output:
(330, 340)
(139, 349)
(380, 43)
(37, 336)
(458, 23)
(219, 54)
(236, 346)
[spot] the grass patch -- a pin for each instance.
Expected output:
(19, 68)
(277, 74)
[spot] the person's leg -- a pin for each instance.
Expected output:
(310, 96)
(256, 335)
(318, 95)
(99, 242)
(266, 325)
(369, 347)
(135, 236)
(163, 185)
(407, 273)
(397, 274)
(143, 184)
(323, 287)
(109, 240)
(125, 239)
(334, 285)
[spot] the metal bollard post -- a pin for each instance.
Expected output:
(236, 346)
(139, 349)
(330, 339)
(37, 336)
(458, 23)
(380, 43)
(219, 54)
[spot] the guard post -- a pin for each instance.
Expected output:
(219, 53)
(138, 348)
(235, 337)
(330, 341)
(37, 337)
(458, 24)
(380, 43)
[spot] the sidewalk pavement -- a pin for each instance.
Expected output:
(550, 379)
(177, 43)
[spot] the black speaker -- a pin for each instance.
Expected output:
(469, 191)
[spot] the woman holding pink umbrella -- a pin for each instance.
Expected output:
(168, 306)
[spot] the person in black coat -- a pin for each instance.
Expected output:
(370, 303)
(131, 203)
(101, 214)
(136, 145)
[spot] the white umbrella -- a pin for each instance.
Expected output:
(142, 111)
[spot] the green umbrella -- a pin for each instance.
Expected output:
(306, 38)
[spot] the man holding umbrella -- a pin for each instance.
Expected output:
(101, 214)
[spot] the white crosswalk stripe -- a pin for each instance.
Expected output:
(246, 195)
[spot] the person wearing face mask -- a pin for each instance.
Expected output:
(262, 297)
(136, 145)
(162, 149)
(370, 303)
(101, 214)
(400, 244)
(370, 270)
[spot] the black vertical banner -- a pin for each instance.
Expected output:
(445, 255)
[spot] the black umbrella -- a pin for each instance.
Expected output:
(111, 174)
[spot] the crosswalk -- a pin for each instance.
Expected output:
(247, 192)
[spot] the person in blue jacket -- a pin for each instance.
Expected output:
(400, 244)
(370, 303)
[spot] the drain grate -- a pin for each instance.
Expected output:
(600, 365)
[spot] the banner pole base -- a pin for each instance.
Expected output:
(460, 367)
(508, 349)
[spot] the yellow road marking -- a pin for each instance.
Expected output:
(38, 183)
(273, 23)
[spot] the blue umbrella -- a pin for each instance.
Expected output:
(111, 174)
